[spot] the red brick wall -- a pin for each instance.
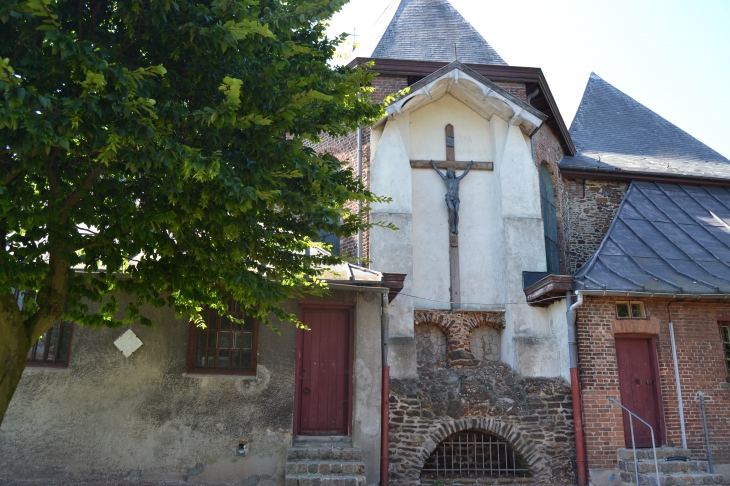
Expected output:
(699, 353)
(518, 90)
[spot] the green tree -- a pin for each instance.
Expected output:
(159, 149)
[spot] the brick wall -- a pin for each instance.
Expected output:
(700, 358)
(588, 210)
(345, 149)
(518, 90)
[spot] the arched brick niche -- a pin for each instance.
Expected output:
(430, 344)
(458, 327)
(533, 415)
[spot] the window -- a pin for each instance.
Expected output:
(725, 338)
(53, 349)
(549, 221)
(630, 310)
(223, 347)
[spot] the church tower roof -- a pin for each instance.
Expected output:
(614, 133)
(426, 30)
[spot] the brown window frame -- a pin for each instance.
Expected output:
(725, 346)
(44, 362)
(209, 315)
(631, 314)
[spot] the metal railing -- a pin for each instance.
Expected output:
(633, 443)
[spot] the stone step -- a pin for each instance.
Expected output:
(661, 453)
(676, 479)
(665, 467)
(323, 454)
(325, 467)
(324, 480)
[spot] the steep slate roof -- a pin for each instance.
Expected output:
(426, 30)
(667, 239)
(613, 133)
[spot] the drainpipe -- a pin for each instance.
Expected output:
(385, 402)
(679, 386)
(580, 449)
(359, 203)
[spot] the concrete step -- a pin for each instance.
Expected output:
(675, 479)
(325, 467)
(665, 467)
(661, 453)
(323, 454)
(324, 480)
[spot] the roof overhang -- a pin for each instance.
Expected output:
(475, 91)
(618, 175)
(533, 78)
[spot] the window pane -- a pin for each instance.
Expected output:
(622, 309)
(225, 339)
(637, 310)
(202, 339)
(201, 357)
(236, 340)
(236, 359)
(225, 323)
(247, 340)
(63, 347)
(246, 359)
(52, 342)
(223, 358)
(248, 325)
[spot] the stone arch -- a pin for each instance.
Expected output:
(458, 325)
(518, 439)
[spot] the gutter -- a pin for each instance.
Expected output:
(580, 450)
(656, 295)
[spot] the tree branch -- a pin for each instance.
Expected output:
(76, 196)
(51, 298)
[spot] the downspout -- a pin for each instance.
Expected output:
(385, 398)
(359, 203)
(580, 449)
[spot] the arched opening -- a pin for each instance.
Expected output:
(549, 220)
(474, 454)
(486, 343)
(430, 344)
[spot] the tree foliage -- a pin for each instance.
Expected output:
(158, 148)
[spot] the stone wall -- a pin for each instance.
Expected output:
(470, 389)
(589, 209)
(533, 415)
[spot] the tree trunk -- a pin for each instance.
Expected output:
(14, 346)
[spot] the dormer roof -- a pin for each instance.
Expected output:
(427, 30)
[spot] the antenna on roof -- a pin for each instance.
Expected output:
(354, 38)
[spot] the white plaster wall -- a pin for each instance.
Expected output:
(478, 213)
(557, 313)
(471, 131)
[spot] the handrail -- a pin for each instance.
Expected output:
(633, 444)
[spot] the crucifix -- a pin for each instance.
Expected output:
(452, 203)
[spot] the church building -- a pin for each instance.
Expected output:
(541, 305)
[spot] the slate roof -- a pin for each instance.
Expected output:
(613, 133)
(665, 238)
(426, 30)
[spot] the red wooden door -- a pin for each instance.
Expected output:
(324, 372)
(638, 383)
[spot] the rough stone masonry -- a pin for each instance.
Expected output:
(533, 414)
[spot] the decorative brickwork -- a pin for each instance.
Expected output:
(701, 368)
(534, 415)
(589, 209)
(458, 327)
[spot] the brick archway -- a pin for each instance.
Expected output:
(458, 325)
(518, 439)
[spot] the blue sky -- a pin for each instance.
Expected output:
(672, 56)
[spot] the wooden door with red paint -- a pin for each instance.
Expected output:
(639, 386)
(324, 371)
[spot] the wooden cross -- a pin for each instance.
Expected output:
(450, 162)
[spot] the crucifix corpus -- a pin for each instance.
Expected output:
(452, 203)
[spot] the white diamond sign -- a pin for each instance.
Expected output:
(128, 343)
